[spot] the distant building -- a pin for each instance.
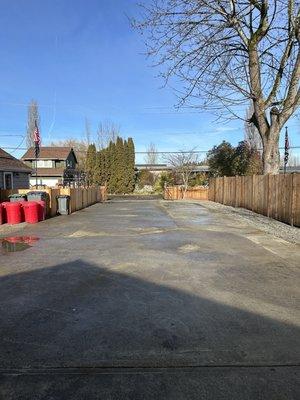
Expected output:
(289, 169)
(55, 166)
(157, 169)
(14, 174)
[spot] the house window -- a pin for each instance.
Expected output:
(8, 180)
(70, 164)
(44, 163)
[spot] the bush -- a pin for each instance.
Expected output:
(200, 179)
(145, 178)
(226, 160)
(165, 179)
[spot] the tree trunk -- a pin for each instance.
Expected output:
(271, 156)
(184, 191)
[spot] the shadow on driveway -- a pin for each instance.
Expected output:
(80, 331)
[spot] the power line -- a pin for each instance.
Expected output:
(146, 152)
(19, 145)
(14, 148)
(10, 135)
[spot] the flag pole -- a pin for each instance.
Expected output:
(37, 141)
(286, 149)
(36, 178)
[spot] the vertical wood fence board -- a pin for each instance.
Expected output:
(296, 206)
(276, 196)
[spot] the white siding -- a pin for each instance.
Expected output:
(50, 182)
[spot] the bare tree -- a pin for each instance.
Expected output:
(183, 163)
(152, 154)
(107, 132)
(79, 147)
(230, 52)
(252, 135)
(87, 130)
(33, 117)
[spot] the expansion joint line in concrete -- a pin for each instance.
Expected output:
(98, 370)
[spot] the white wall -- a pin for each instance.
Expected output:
(50, 182)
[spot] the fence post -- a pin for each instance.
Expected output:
(276, 195)
(268, 195)
(252, 193)
(214, 189)
(293, 199)
(223, 194)
(235, 190)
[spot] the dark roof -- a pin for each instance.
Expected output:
(165, 167)
(49, 153)
(151, 165)
(12, 164)
(49, 172)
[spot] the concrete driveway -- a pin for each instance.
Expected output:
(149, 300)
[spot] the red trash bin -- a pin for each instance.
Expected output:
(42, 209)
(4, 216)
(4, 213)
(31, 210)
(13, 213)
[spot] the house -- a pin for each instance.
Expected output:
(55, 166)
(14, 174)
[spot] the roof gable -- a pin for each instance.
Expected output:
(49, 153)
(10, 163)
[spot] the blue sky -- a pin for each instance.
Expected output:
(81, 59)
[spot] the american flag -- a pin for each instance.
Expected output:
(37, 140)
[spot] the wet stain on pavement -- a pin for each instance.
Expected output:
(17, 243)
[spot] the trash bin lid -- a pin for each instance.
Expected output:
(37, 192)
(17, 196)
(63, 196)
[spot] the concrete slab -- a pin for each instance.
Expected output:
(149, 298)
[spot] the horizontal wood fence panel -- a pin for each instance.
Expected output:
(177, 193)
(276, 196)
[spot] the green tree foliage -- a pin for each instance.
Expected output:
(220, 158)
(130, 169)
(200, 179)
(165, 179)
(145, 177)
(246, 160)
(115, 166)
(112, 182)
(90, 164)
(98, 178)
(226, 160)
(121, 166)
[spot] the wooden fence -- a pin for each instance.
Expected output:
(79, 197)
(177, 193)
(276, 196)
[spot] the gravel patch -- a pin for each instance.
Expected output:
(261, 222)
